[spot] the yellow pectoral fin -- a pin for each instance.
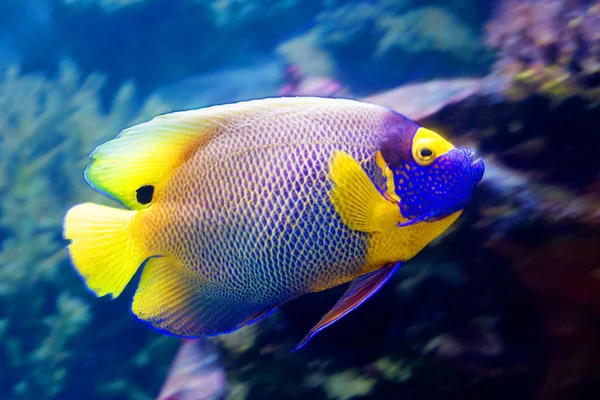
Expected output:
(356, 199)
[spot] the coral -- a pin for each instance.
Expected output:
(551, 47)
(175, 40)
(393, 370)
(46, 363)
(48, 128)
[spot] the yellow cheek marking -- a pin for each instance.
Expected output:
(425, 138)
(388, 175)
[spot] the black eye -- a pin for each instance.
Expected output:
(426, 153)
(144, 194)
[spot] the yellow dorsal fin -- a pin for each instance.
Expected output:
(356, 199)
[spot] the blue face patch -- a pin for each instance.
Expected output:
(435, 191)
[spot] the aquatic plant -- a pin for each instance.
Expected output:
(550, 47)
(47, 128)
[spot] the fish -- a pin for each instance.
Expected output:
(233, 210)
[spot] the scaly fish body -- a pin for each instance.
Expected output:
(249, 216)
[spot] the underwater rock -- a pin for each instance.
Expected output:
(563, 275)
(506, 299)
(540, 154)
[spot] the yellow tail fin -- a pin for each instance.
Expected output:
(103, 249)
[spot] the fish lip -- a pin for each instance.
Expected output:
(478, 164)
(477, 161)
(473, 160)
(477, 167)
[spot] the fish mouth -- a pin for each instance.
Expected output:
(474, 161)
(477, 166)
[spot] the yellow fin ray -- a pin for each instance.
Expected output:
(162, 288)
(356, 199)
(103, 249)
(170, 299)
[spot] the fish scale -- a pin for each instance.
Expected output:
(251, 242)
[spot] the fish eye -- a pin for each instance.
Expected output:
(144, 194)
(426, 153)
(425, 156)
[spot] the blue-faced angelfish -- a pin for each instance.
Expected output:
(233, 210)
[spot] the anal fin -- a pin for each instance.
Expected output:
(166, 298)
(358, 292)
(177, 301)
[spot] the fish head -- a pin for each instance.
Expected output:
(429, 177)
